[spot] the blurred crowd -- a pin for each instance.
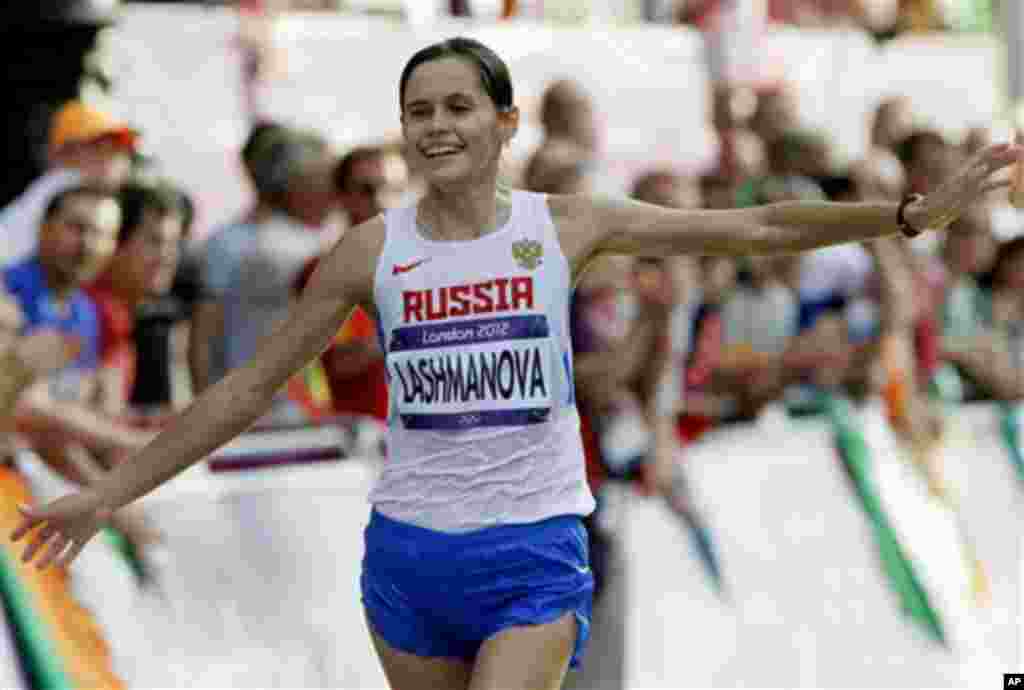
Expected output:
(111, 317)
(882, 18)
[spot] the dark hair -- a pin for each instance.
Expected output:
(1008, 251)
(909, 149)
(186, 208)
(342, 174)
(278, 156)
(57, 201)
(137, 199)
(648, 183)
(252, 143)
(493, 71)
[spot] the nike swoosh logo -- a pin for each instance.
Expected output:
(398, 269)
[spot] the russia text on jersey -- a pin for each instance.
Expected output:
(485, 297)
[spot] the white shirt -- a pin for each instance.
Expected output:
(483, 427)
(20, 219)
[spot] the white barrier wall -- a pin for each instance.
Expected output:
(178, 72)
(262, 577)
(812, 607)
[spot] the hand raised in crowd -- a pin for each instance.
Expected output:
(47, 350)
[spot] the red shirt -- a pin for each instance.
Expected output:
(117, 321)
(365, 393)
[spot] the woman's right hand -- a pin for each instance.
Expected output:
(62, 527)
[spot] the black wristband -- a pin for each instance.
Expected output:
(901, 220)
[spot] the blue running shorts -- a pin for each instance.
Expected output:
(436, 594)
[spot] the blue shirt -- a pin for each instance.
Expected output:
(220, 262)
(77, 317)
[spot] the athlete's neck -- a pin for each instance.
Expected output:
(466, 214)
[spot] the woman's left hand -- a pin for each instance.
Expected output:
(971, 183)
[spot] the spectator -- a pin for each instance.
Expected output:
(354, 364)
(24, 359)
(909, 411)
(996, 360)
(142, 267)
(741, 151)
(76, 240)
(969, 251)
(567, 112)
(705, 405)
(152, 395)
(293, 171)
(879, 175)
(977, 138)
(803, 153)
(760, 316)
(928, 158)
(86, 146)
(777, 113)
(892, 123)
(572, 142)
(220, 257)
(560, 164)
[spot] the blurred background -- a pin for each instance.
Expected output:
(808, 468)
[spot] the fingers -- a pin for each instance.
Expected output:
(57, 548)
(38, 542)
(995, 184)
(28, 521)
(70, 555)
(1001, 155)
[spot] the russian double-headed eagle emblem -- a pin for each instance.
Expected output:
(527, 253)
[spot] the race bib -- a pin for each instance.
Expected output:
(479, 373)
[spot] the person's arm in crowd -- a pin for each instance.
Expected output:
(39, 414)
(662, 402)
(35, 411)
(109, 391)
(204, 318)
(207, 324)
(600, 376)
(908, 406)
(989, 361)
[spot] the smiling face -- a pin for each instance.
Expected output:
(453, 131)
(144, 266)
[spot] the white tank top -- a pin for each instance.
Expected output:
(482, 428)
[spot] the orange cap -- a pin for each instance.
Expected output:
(78, 123)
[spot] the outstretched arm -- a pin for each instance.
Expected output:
(590, 227)
(231, 406)
(907, 405)
(227, 408)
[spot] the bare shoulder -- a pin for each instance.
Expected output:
(565, 207)
(352, 262)
(575, 217)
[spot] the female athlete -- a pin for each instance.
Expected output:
(475, 574)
